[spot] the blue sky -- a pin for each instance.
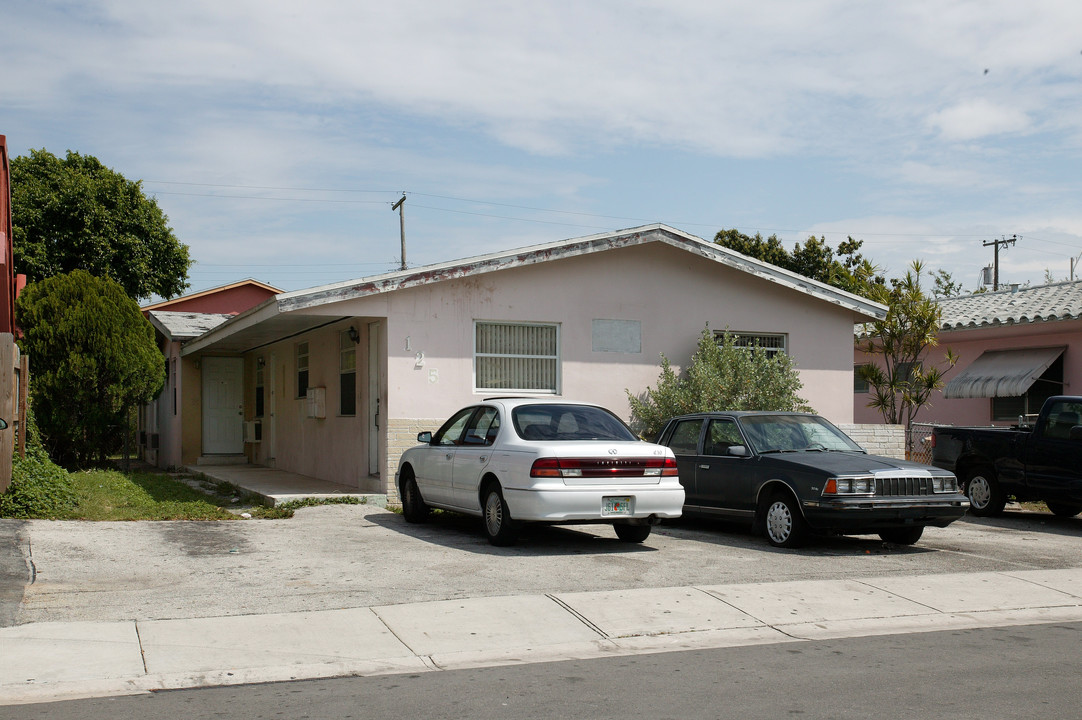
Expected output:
(277, 135)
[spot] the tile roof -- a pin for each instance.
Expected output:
(1043, 303)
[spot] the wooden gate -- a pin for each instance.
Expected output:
(14, 371)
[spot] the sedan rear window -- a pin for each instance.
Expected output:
(552, 422)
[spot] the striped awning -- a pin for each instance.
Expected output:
(1002, 373)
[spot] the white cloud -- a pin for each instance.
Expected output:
(559, 104)
(974, 119)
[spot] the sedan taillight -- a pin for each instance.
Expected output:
(603, 467)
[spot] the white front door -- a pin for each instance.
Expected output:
(223, 406)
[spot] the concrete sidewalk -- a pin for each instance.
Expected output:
(279, 486)
(52, 661)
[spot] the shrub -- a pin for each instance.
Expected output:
(721, 376)
(94, 357)
(39, 488)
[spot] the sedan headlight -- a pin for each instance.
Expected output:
(850, 486)
(945, 484)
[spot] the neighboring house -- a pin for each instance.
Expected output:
(228, 299)
(161, 424)
(1015, 348)
(336, 381)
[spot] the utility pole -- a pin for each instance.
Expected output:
(996, 243)
(400, 207)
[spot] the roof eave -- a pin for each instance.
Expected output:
(300, 300)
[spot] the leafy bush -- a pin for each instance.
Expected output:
(39, 488)
(721, 376)
(94, 357)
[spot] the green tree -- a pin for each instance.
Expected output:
(945, 286)
(721, 376)
(844, 268)
(94, 358)
(77, 214)
(903, 382)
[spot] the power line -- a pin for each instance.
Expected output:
(742, 227)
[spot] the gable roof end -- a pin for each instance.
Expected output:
(293, 312)
(301, 299)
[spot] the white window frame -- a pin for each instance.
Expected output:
(532, 391)
(746, 340)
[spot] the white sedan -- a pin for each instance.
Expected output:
(514, 460)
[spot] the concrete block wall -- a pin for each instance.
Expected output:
(402, 435)
(887, 440)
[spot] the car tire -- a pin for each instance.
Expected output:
(500, 529)
(631, 533)
(414, 508)
(902, 535)
(1063, 509)
(986, 497)
(783, 523)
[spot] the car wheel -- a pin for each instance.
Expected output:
(1063, 509)
(902, 535)
(783, 524)
(414, 508)
(500, 528)
(986, 497)
(631, 533)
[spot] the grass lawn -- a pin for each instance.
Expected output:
(114, 495)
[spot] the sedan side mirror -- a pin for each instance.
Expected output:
(738, 451)
(424, 437)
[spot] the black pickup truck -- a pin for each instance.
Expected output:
(1042, 461)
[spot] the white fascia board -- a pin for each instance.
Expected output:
(253, 316)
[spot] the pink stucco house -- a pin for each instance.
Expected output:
(334, 382)
(1015, 347)
(161, 422)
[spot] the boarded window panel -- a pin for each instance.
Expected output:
(618, 336)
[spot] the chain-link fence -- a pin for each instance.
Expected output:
(918, 442)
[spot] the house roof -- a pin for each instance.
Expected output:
(185, 325)
(1043, 303)
(211, 291)
(294, 312)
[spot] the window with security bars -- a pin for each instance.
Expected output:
(772, 343)
(516, 357)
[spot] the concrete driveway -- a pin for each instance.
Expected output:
(346, 556)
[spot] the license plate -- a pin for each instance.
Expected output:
(616, 506)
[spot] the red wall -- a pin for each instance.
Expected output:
(230, 300)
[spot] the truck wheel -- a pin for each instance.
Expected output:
(1063, 509)
(986, 497)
